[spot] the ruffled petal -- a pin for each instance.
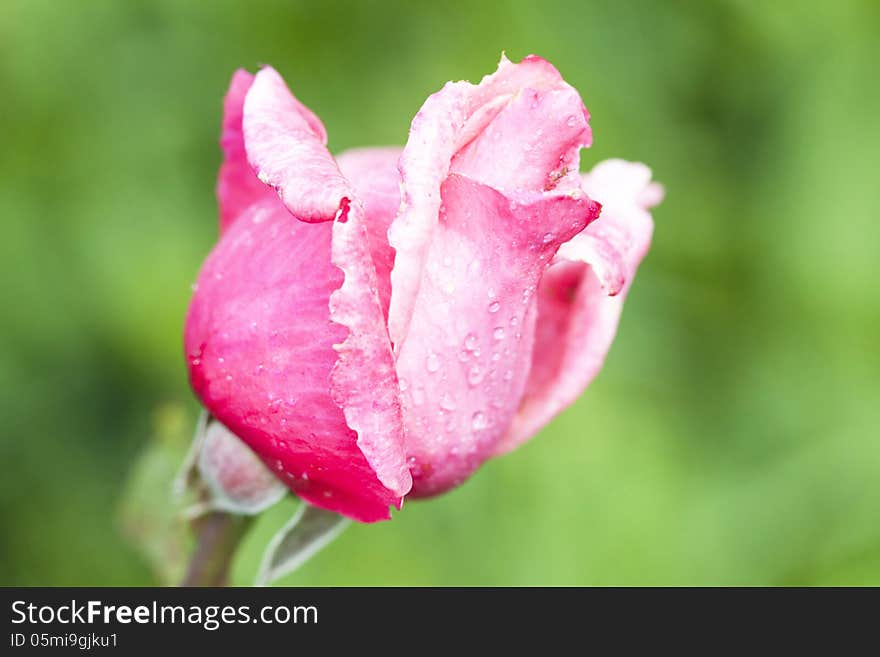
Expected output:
(581, 295)
(458, 122)
(286, 335)
(466, 357)
(286, 146)
(490, 190)
(373, 174)
(237, 184)
(260, 345)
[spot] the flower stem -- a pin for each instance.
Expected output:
(218, 535)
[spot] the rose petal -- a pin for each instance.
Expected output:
(286, 335)
(447, 122)
(465, 359)
(237, 184)
(490, 191)
(288, 150)
(286, 146)
(260, 344)
(373, 174)
(581, 295)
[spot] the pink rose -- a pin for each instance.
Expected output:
(377, 325)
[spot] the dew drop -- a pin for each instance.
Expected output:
(471, 341)
(570, 121)
(514, 320)
(432, 362)
(404, 385)
(548, 237)
(447, 403)
(494, 307)
(475, 374)
(479, 421)
(508, 375)
(498, 333)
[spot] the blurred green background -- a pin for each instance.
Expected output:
(732, 437)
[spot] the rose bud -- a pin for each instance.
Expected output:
(378, 325)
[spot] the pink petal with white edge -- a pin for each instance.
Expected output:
(373, 174)
(286, 146)
(466, 357)
(490, 191)
(237, 184)
(260, 345)
(286, 335)
(581, 296)
(444, 129)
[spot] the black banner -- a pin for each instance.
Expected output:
(129, 621)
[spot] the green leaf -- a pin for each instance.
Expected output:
(310, 530)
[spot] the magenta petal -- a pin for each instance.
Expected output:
(237, 184)
(286, 336)
(260, 345)
(464, 362)
(285, 145)
(581, 295)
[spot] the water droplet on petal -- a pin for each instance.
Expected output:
(479, 421)
(432, 362)
(494, 307)
(498, 333)
(447, 403)
(475, 374)
(471, 341)
(404, 385)
(548, 237)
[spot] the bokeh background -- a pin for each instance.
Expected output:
(732, 437)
